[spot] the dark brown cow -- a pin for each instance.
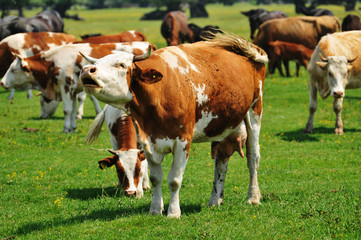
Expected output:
(128, 36)
(174, 28)
(351, 22)
(197, 33)
(198, 92)
(280, 51)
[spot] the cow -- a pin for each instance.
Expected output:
(351, 22)
(280, 51)
(316, 12)
(128, 158)
(197, 33)
(46, 21)
(26, 45)
(127, 36)
(178, 95)
(334, 66)
(301, 30)
(174, 28)
(258, 16)
(57, 71)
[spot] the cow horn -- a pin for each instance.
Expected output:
(351, 60)
(144, 56)
(88, 58)
(323, 58)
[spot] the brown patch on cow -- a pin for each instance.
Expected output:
(137, 172)
(121, 37)
(125, 134)
(40, 41)
(123, 179)
(99, 51)
(6, 57)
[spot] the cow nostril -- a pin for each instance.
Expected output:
(93, 70)
(338, 94)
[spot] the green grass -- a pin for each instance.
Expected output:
(52, 188)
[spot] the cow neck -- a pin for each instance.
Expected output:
(43, 71)
(125, 133)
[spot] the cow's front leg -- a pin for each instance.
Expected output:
(69, 109)
(12, 93)
(156, 177)
(253, 155)
(175, 177)
(220, 170)
(337, 108)
(81, 99)
(313, 106)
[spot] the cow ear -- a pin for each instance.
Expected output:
(151, 76)
(322, 65)
(141, 155)
(349, 67)
(24, 64)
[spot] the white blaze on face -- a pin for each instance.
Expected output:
(15, 76)
(201, 96)
(128, 160)
(171, 57)
(337, 68)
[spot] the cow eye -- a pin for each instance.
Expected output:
(120, 65)
(330, 74)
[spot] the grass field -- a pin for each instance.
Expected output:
(51, 186)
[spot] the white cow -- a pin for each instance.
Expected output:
(334, 66)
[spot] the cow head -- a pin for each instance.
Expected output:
(109, 78)
(129, 169)
(17, 75)
(337, 68)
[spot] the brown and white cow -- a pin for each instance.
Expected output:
(128, 158)
(334, 66)
(196, 92)
(174, 28)
(57, 71)
(127, 36)
(284, 51)
(26, 45)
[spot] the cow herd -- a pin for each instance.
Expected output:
(160, 101)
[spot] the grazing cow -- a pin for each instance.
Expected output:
(26, 45)
(178, 96)
(128, 36)
(57, 71)
(258, 16)
(316, 12)
(334, 66)
(280, 51)
(351, 22)
(174, 28)
(127, 157)
(197, 33)
(46, 21)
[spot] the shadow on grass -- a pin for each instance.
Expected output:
(300, 136)
(92, 193)
(102, 215)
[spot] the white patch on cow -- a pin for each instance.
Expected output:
(132, 32)
(201, 124)
(15, 76)
(201, 96)
(171, 57)
(128, 160)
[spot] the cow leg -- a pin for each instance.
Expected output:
(81, 99)
(220, 170)
(313, 106)
(69, 109)
(297, 69)
(12, 93)
(279, 67)
(145, 185)
(97, 106)
(29, 94)
(285, 62)
(175, 177)
(156, 177)
(253, 125)
(337, 108)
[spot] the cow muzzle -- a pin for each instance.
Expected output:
(3, 85)
(88, 80)
(338, 94)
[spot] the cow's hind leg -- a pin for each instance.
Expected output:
(220, 171)
(175, 177)
(337, 108)
(253, 125)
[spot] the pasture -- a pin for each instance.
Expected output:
(51, 186)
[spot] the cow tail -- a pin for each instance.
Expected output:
(96, 127)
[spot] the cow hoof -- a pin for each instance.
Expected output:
(155, 212)
(307, 131)
(339, 131)
(174, 215)
(79, 117)
(215, 202)
(254, 200)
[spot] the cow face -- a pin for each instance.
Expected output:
(129, 169)
(337, 68)
(17, 75)
(109, 78)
